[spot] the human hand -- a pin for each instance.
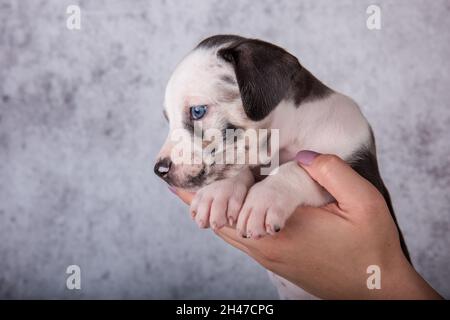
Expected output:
(327, 250)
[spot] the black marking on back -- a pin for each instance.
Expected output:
(364, 162)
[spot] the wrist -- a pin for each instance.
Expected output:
(402, 282)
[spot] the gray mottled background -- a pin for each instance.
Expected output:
(80, 124)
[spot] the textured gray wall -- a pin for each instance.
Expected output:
(80, 124)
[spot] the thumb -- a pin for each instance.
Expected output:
(338, 178)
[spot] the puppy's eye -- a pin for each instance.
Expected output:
(198, 112)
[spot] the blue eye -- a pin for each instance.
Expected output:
(198, 112)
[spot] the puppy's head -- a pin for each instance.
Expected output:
(226, 82)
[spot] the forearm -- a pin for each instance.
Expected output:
(405, 282)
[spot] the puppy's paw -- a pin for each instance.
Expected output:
(219, 203)
(266, 209)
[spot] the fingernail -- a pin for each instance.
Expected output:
(306, 157)
(172, 189)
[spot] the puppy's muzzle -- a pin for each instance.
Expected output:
(162, 168)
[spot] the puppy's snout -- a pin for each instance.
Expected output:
(162, 167)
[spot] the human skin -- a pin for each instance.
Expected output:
(326, 251)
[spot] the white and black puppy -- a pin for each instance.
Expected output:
(231, 82)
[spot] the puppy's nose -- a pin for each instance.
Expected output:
(162, 167)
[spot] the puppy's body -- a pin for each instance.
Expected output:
(252, 84)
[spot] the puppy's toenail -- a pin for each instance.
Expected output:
(230, 222)
(277, 228)
(244, 236)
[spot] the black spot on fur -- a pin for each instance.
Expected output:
(232, 126)
(189, 125)
(227, 94)
(228, 79)
(230, 130)
(365, 163)
(267, 74)
(197, 180)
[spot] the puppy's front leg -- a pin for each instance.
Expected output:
(270, 203)
(219, 203)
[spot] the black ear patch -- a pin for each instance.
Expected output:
(266, 75)
(218, 40)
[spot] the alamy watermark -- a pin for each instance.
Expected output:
(226, 147)
(374, 280)
(373, 21)
(73, 21)
(73, 281)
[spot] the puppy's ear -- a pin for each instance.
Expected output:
(266, 74)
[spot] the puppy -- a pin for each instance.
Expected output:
(233, 83)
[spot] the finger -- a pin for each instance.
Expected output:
(184, 195)
(229, 235)
(338, 178)
(253, 248)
